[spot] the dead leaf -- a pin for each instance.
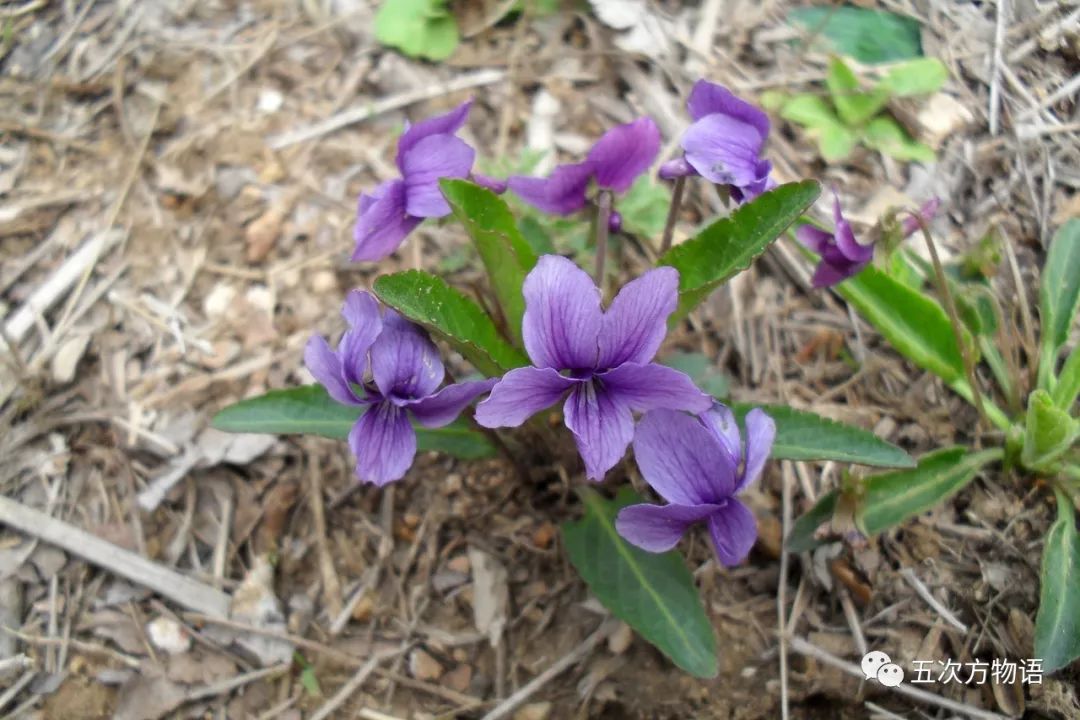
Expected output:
(424, 667)
(67, 357)
(491, 595)
(254, 603)
(148, 697)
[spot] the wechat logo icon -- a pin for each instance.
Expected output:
(878, 666)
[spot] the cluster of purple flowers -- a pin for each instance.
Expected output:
(598, 362)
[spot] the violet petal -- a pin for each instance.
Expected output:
(733, 530)
(428, 161)
(445, 124)
(563, 193)
(658, 528)
(404, 362)
(682, 460)
(443, 407)
(724, 150)
(760, 434)
(708, 98)
(624, 152)
(520, 394)
(325, 365)
(635, 323)
(361, 311)
(602, 427)
(649, 386)
(562, 315)
(384, 444)
(382, 222)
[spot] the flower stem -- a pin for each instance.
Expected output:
(672, 213)
(603, 216)
(954, 320)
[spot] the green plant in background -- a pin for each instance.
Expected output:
(855, 112)
(1038, 438)
(418, 28)
(869, 36)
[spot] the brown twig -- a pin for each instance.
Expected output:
(672, 214)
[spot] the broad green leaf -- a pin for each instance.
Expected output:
(887, 136)
(802, 435)
(1057, 626)
(1048, 433)
(506, 254)
(652, 593)
(644, 207)
(701, 370)
(1068, 383)
(809, 111)
(729, 245)
(1059, 296)
(418, 28)
(909, 319)
(855, 106)
(454, 316)
(309, 410)
(835, 142)
(869, 36)
(889, 499)
(921, 76)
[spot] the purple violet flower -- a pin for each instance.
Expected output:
(405, 371)
(427, 152)
(602, 359)
(698, 465)
(616, 160)
(724, 143)
(841, 254)
(909, 225)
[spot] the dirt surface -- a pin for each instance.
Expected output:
(210, 156)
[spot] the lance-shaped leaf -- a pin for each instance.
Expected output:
(506, 254)
(1057, 626)
(888, 499)
(802, 435)
(1048, 433)
(1059, 296)
(854, 105)
(1068, 383)
(309, 410)
(912, 322)
(452, 315)
(730, 244)
(652, 593)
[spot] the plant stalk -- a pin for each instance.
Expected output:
(603, 217)
(954, 320)
(672, 214)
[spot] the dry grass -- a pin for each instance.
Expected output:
(177, 186)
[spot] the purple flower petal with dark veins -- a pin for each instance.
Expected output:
(708, 98)
(445, 124)
(697, 465)
(384, 444)
(382, 222)
(520, 394)
(623, 153)
(431, 159)
(658, 528)
(406, 371)
(841, 254)
(562, 315)
(561, 194)
(724, 150)
(602, 358)
(602, 426)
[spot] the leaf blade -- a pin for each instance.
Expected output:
(506, 254)
(309, 410)
(1057, 625)
(449, 313)
(1059, 295)
(729, 245)
(654, 594)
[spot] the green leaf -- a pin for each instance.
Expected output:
(921, 76)
(869, 36)
(505, 252)
(809, 111)
(854, 105)
(653, 593)
(1049, 432)
(888, 499)
(1057, 626)
(644, 207)
(701, 370)
(1068, 383)
(729, 245)
(887, 136)
(309, 410)
(1059, 295)
(835, 142)
(418, 28)
(802, 435)
(909, 319)
(454, 316)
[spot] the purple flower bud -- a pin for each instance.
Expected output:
(841, 254)
(614, 162)
(614, 223)
(388, 365)
(427, 152)
(698, 465)
(600, 361)
(929, 209)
